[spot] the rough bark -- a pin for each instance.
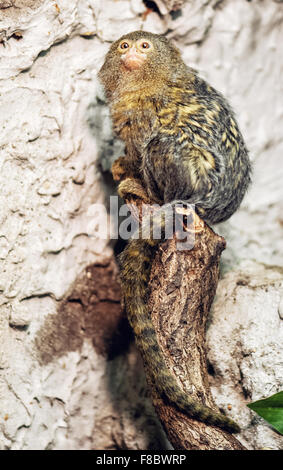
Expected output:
(181, 291)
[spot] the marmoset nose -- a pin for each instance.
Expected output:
(132, 51)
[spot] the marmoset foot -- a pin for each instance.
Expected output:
(192, 222)
(131, 188)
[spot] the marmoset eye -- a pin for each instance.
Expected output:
(124, 45)
(145, 45)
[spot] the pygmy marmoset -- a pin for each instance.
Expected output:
(182, 144)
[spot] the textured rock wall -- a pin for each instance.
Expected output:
(60, 386)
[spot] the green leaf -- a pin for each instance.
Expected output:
(271, 409)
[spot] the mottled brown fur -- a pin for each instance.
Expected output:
(182, 144)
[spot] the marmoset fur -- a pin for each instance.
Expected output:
(183, 144)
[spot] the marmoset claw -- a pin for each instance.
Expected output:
(196, 224)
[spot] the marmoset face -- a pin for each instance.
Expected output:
(140, 59)
(135, 53)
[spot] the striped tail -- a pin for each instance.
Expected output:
(135, 263)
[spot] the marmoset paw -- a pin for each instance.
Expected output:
(131, 188)
(191, 221)
(119, 168)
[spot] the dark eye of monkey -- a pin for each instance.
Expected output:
(124, 45)
(145, 45)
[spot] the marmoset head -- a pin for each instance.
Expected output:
(139, 58)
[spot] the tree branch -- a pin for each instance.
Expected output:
(182, 288)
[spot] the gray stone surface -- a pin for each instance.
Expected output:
(245, 347)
